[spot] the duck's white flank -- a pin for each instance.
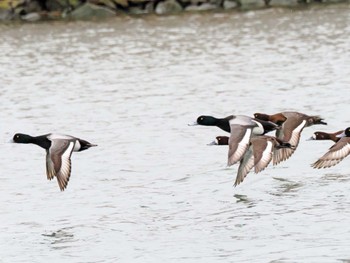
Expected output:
(258, 130)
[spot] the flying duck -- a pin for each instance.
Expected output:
(293, 124)
(242, 129)
(59, 149)
(258, 156)
(336, 153)
(320, 136)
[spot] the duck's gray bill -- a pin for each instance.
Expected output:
(193, 124)
(213, 143)
(311, 138)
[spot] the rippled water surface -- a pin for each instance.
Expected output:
(153, 190)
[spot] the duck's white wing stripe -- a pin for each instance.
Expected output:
(247, 163)
(294, 140)
(65, 170)
(241, 148)
(284, 153)
(265, 158)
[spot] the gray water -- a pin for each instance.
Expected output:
(153, 190)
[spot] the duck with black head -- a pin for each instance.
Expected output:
(242, 128)
(59, 149)
(292, 124)
(336, 153)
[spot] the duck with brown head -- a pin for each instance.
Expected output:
(336, 153)
(293, 124)
(322, 136)
(258, 155)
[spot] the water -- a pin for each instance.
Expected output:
(153, 190)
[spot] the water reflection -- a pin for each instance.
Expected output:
(335, 177)
(60, 239)
(153, 186)
(287, 187)
(245, 200)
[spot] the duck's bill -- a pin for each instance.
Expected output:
(213, 143)
(312, 138)
(340, 135)
(10, 141)
(193, 124)
(322, 122)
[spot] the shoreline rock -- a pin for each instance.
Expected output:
(38, 10)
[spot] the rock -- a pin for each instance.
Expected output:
(216, 2)
(168, 7)
(149, 8)
(54, 5)
(140, 1)
(283, 2)
(123, 3)
(54, 15)
(252, 4)
(8, 4)
(31, 17)
(194, 2)
(334, 1)
(5, 15)
(136, 10)
(63, 4)
(228, 4)
(87, 11)
(202, 7)
(109, 3)
(32, 7)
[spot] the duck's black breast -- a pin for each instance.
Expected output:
(42, 141)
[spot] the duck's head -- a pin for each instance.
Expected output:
(346, 133)
(319, 136)
(21, 138)
(220, 140)
(316, 120)
(205, 120)
(277, 118)
(262, 116)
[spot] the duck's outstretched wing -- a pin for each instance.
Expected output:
(58, 162)
(50, 169)
(290, 132)
(238, 143)
(246, 164)
(335, 154)
(262, 153)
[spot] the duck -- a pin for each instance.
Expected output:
(320, 136)
(59, 149)
(258, 156)
(336, 153)
(224, 123)
(292, 124)
(220, 140)
(242, 128)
